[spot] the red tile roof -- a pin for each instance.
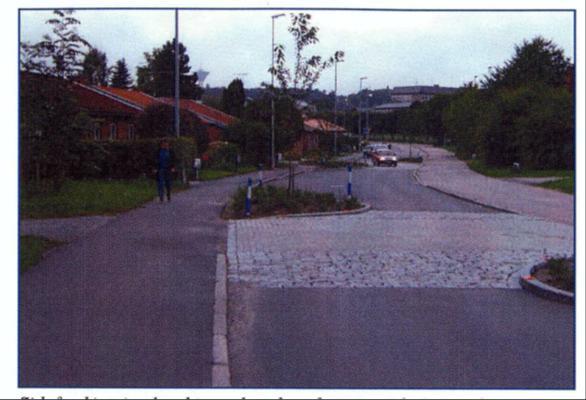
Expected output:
(134, 96)
(206, 113)
(315, 124)
(89, 98)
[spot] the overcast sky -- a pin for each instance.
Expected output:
(390, 48)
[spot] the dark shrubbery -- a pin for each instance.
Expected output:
(126, 160)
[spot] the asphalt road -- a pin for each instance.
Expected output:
(130, 304)
(385, 188)
(397, 337)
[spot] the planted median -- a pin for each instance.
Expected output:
(270, 200)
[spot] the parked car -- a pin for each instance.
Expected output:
(385, 157)
(370, 149)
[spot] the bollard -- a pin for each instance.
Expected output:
(248, 197)
(349, 181)
(260, 166)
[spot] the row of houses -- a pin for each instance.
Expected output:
(115, 111)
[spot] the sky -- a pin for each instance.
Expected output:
(390, 48)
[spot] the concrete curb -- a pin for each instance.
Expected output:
(538, 288)
(220, 366)
(416, 177)
(328, 213)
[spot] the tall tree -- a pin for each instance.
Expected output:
(233, 98)
(306, 70)
(95, 68)
(537, 61)
(60, 53)
(157, 77)
(120, 75)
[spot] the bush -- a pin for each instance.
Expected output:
(221, 155)
(562, 272)
(126, 160)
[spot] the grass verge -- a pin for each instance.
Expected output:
(481, 168)
(89, 197)
(271, 200)
(212, 174)
(31, 250)
(565, 185)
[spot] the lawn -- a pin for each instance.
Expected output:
(481, 168)
(212, 174)
(31, 249)
(565, 185)
(271, 200)
(88, 197)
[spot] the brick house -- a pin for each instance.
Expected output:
(312, 129)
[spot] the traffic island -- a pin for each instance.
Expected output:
(553, 280)
(270, 201)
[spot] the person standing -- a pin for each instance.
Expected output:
(165, 169)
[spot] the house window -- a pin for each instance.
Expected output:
(131, 133)
(113, 132)
(97, 132)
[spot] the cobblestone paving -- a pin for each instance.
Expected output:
(392, 249)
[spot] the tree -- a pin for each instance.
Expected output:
(158, 121)
(233, 98)
(95, 68)
(538, 61)
(58, 54)
(157, 77)
(50, 128)
(306, 70)
(120, 75)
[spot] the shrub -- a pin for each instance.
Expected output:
(562, 272)
(221, 155)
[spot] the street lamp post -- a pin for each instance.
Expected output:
(336, 106)
(273, 18)
(368, 96)
(360, 107)
(177, 72)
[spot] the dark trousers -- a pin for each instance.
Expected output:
(164, 179)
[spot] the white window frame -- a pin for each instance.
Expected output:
(131, 132)
(97, 133)
(113, 131)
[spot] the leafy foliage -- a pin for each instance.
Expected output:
(158, 121)
(59, 53)
(157, 77)
(50, 128)
(233, 98)
(306, 70)
(537, 61)
(95, 68)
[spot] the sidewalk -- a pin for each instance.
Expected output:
(441, 170)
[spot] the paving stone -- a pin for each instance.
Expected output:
(432, 250)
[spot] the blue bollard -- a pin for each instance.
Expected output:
(248, 197)
(349, 181)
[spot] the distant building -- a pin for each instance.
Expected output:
(404, 96)
(390, 107)
(411, 94)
